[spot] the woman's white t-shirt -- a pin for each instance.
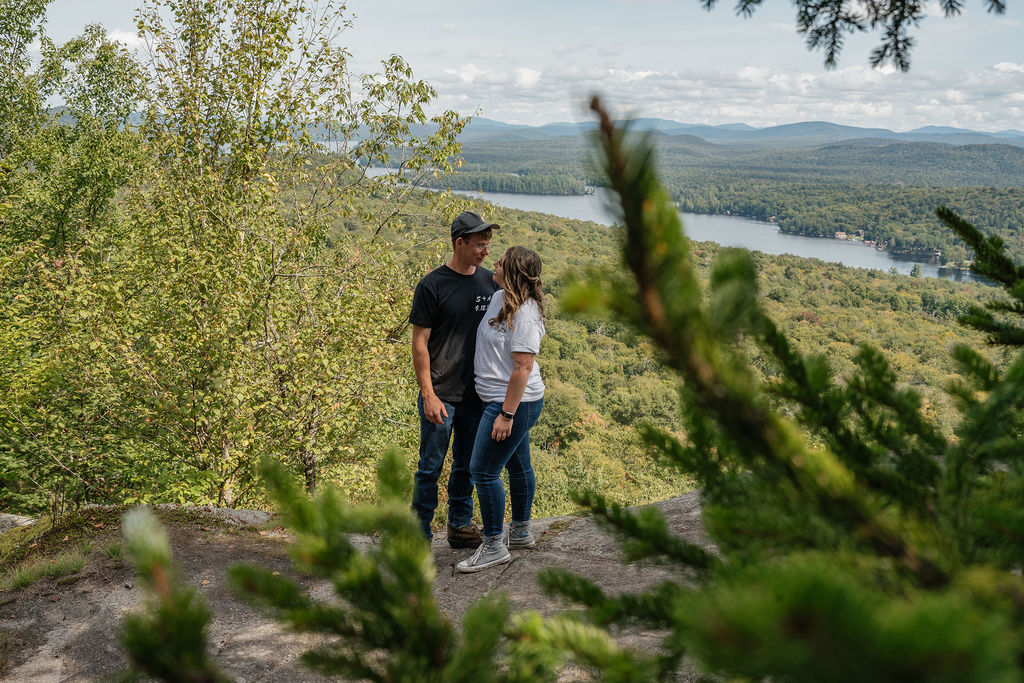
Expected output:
(494, 346)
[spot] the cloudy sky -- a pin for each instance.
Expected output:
(536, 61)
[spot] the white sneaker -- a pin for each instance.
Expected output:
(491, 552)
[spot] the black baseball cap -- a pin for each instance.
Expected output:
(467, 223)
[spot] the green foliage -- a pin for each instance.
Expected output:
(174, 301)
(176, 318)
(899, 218)
(60, 172)
(261, 340)
(20, 23)
(385, 589)
(857, 541)
(811, 618)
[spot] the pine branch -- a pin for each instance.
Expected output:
(168, 639)
(654, 608)
(656, 252)
(989, 252)
(823, 404)
(589, 644)
(645, 534)
(701, 459)
(386, 591)
(483, 627)
(990, 260)
(985, 425)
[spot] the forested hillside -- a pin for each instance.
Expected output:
(528, 183)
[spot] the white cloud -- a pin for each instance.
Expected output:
(1009, 67)
(470, 74)
(754, 74)
(129, 39)
(526, 78)
(574, 73)
(670, 59)
(985, 99)
(628, 76)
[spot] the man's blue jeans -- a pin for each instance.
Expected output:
(513, 454)
(463, 418)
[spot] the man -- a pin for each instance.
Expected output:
(446, 310)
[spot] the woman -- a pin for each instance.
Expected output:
(509, 384)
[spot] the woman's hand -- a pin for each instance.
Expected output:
(502, 428)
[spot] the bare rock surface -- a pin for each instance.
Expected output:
(10, 521)
(66, 629)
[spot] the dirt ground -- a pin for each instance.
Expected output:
(66, 629)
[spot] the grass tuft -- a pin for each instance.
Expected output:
(27, 573)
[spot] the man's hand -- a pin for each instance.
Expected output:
(434, 409)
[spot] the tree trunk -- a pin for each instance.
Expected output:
(226, 496)
(308, 456)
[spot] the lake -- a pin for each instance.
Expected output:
(730, 231)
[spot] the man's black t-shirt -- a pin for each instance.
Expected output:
(451, 305)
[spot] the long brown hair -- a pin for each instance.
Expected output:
(521, 273)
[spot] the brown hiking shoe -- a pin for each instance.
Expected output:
(464, 537)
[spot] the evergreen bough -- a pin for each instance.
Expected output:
(166, 640)
(386, 622)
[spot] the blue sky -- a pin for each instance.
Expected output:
(534, 62)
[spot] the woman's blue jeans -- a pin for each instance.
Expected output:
(513, 454)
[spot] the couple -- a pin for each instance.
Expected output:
(474, 338)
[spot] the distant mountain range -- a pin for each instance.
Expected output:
(791, 135)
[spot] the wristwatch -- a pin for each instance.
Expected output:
(507, 415)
